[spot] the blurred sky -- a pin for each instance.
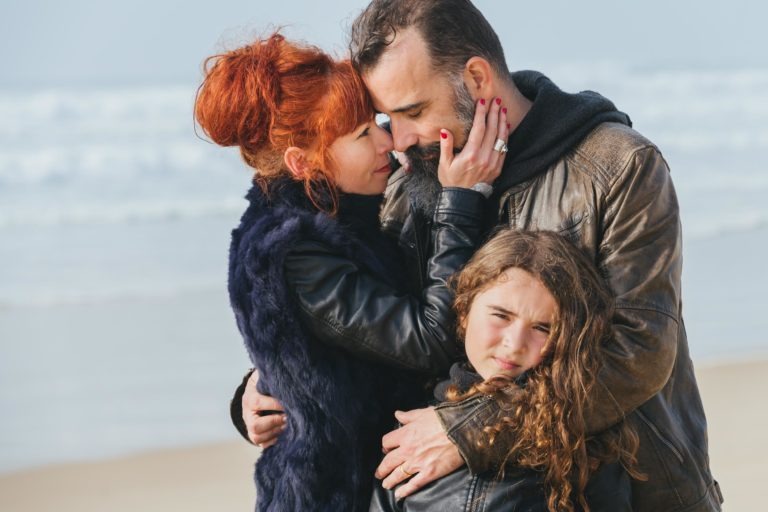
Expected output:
(46, 43)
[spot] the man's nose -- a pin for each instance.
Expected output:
(403, 136)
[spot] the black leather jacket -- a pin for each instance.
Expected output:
(518, 491)
(345, 307)
(521, 489)
(342, 305)
(611, 195)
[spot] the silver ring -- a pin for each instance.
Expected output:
(500, 146)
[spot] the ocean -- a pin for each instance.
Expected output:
(115, 332)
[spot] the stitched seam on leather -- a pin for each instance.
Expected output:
(580, 162)
(467, 418)
(373, 348)
(666, 470)
(471, 488)
(619, 177)
(607, 178)
(668, 314)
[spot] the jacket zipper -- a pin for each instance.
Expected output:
(661, 437)
(417, 236)
(472, 496)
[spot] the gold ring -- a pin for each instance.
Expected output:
(406, 473)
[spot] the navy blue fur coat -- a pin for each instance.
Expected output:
(338, 405)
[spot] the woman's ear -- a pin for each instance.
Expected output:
(297, 163)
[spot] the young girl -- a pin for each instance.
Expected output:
(533, 312)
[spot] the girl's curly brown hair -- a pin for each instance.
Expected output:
(545, 419)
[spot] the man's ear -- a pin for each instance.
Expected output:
(296, 161)
(479, 77)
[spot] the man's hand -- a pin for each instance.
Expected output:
(263, 429)
(419, 450)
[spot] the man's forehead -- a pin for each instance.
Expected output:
(392, 92)
(401, 75)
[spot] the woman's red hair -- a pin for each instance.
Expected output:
(273, 94)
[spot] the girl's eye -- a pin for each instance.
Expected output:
(364, 133)
(542, 328)
(499, 315)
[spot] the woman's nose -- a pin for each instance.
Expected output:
(384, 140)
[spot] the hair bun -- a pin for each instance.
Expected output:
(238, 99)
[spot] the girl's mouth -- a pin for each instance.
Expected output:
(506, 364)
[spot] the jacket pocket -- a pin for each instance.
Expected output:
(664, 440)
(674, 480)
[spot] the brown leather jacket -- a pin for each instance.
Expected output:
(612, 195)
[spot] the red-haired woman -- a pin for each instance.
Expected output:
(317, 289)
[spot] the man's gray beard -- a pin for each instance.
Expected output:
(422, 184)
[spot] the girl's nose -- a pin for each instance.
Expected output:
(514, 338)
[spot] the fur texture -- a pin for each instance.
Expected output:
(326, 457)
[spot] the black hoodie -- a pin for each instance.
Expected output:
(556, 123)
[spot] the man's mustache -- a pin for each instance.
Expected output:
(426, 153)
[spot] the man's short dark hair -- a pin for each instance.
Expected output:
(454, 31)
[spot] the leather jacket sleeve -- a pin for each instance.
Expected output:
(236, 407)
(345, 306)
(641, 256)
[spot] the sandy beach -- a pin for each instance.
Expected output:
(218, 477)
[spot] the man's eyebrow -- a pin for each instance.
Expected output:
(410, 106)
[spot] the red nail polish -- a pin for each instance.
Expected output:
(498, 101)
(504, 110)
(443, 135)
(482, 101)
(509, 126)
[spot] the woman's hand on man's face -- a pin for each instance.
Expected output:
(482, 156)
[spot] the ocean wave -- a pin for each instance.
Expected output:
(700, 228)
(680, 96)
(694, 140)
(116, 161)
(158, 291)
(118, 103)
(694, 180)
(579, 74)
(138, 211)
